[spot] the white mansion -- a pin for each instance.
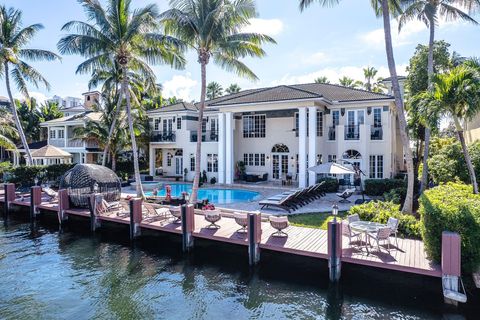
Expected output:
(278, 131)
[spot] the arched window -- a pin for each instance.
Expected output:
(280, 148)
(179, 153)
(351, 154)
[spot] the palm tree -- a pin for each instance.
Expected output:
(369, 73)
(349, 82)
(211, 28)
(8, 133)
(13, 52)
(321, 79)
(49, 111)
(457, 95)
(214, 90)
(233, 88)
(385, 9)
(127, 37)
(429, 12)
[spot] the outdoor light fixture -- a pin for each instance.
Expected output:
(268, 158)
(335, 212)
(95, 187)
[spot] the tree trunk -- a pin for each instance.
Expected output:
(114, 162)
(408, 204)
(136, 168)
(18, 124)
(466, 154)
(112, 127)
(198, 154)
(424, 183)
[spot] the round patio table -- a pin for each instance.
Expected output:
(366, 227)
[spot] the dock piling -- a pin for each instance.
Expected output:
(334, 249)
(453, 290)
(188, 225)
(254, 237)
(35, 200)
(63, 205)
(95, 199)
(135, 217)
(9, 194)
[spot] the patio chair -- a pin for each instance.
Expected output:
(176, 212)
(347, 231)
(212, 216)
(353, 218)
(346, 194)
(392, 223)
(382, 234)
(242, 220)
(50, 193)
(279, 223)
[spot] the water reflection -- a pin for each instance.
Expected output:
(50, 274)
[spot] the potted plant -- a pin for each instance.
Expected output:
(185, 172)
(204, 176)
(213, 180)
(241, 170)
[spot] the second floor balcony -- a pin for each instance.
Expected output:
(207, 136)
(376, 132)
(331, 133)
(352, 132)
(163, 136)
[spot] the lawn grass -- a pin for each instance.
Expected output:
(314, 220)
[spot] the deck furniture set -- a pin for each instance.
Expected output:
(296, 198)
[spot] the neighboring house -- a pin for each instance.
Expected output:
(472, 129)
(280, 130)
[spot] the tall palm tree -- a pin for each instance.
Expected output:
(13, 53)
(49, 111)
(369, 74)
(321, 79)
(386, 9)
(128, 37)
(214, 90)
(8, 133)
(349, 82)
(233, 88)
(211, 28)
(430, 12)
(457, 95)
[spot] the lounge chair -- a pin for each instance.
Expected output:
(212, 216)
(392, 223)
(152, 212)
(382, 234)
(51, 194)
(176, 212)
(286, 202)
(242, 220)
(346, 194)
(279, 223)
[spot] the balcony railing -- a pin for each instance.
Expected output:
(91, 145)
(207, 136)
(352, 132)
(75, 143)
(376, 132)
(163, 136)
(57, 142)
(331, 133)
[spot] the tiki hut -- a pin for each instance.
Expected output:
(81, 181)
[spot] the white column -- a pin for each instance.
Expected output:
(229, 148)
(302, 147)
(151, 158)
(312, 143)
(65, 136)
(221, 148)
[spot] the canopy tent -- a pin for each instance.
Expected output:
(50, 155)
(331, 168)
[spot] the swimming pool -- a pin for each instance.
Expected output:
(216, 196)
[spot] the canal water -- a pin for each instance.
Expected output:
(47, 273)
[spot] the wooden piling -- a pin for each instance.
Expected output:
(254, 238)
(35, 201)
(452, 268)
(95, 199)
(63, 205)
(135, 217)
(334, 240)
(9, 189)
(188, 225)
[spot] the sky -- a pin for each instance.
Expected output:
(331, 42)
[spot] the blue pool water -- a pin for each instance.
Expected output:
(216, 196)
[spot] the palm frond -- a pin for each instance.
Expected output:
(229, 63)
(38, 55)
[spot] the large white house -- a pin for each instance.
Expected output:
(278, 131)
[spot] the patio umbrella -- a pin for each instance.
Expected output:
(331, 168)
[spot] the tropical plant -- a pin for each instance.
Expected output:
(214, 90)
(8, 133)
(430, 12)
(386, 9)
(349, 82)
(211, 28)
(233, 88)
(13, 53)
(321, 79)
(30, 119)
(127, 37)
(49, 111)
(457, 95)
(371, 83)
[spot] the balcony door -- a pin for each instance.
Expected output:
(354, 119)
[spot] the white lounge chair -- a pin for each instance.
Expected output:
(346, 194)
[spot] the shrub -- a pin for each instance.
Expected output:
(451, 207)
(380, 211)
(330, 185)
(25, 176)
(5, 168)
(377, 187)
(213, 180)
(396, 195)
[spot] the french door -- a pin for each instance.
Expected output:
(279, 165)
(354, 119)
(179, 166)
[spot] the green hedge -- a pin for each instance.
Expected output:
(380, 211)
(377, 187)
(451, 207)
(396, 195)
(330, 185)
(24, 176)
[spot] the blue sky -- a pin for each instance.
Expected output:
(320, 41)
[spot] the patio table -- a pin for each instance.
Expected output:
(366, 227)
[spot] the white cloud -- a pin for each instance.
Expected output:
(271, 27)
(333, 74)
(39, 97)
(180, 87)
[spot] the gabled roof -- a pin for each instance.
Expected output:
(180, 106)
(50, 151)
(331, 92)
